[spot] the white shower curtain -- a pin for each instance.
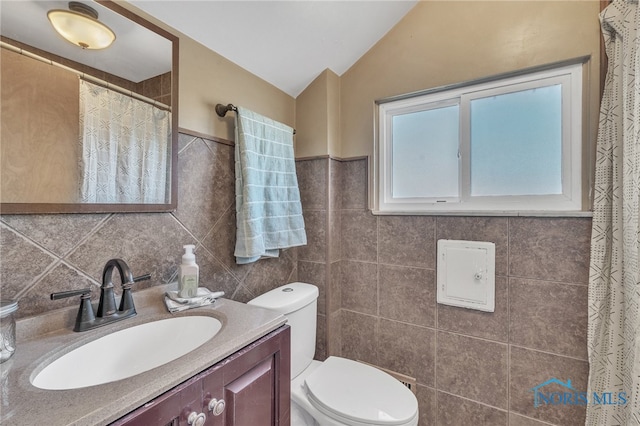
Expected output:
(614, 281)
(124, 148)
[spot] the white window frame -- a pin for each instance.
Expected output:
(570, 78)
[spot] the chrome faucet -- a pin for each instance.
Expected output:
(107, 311)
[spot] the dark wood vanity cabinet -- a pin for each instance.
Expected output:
(249, 388)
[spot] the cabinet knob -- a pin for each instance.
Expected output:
(217, 406)
(196, 419)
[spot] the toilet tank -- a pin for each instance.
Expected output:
(299, 303)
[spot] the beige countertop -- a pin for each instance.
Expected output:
(42, 339)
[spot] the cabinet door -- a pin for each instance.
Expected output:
(213, 403)
(249, 388)
(169, 409)
(164, 410)
(247, 400)
(254, 384)
(251, 398)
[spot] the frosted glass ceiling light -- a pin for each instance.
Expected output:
(80, 26)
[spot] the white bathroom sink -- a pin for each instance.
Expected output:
(127, 352)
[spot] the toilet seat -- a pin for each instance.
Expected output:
(355, 393)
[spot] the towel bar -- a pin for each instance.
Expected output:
(222, 110)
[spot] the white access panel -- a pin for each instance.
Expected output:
(466, 274)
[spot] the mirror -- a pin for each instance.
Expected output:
(50, 130)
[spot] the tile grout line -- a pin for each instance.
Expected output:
(377, 263)
(549, 353)
(475, 401)
(507, 289)
(55, 260)
(437, 317)
(328, 253)
(188, 144)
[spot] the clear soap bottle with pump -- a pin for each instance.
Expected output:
(189, 273)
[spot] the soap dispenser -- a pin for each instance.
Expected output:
(189, 272)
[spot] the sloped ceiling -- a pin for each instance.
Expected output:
(286, 43)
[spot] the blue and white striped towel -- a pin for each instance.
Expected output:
(268, 208)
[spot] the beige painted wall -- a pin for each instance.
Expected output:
(311, 118)
(333, 113)
(441, 42)
(318, 117)
(206, 79)
(38, 130)
(437, 43)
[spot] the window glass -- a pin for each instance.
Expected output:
(509, 143)
(425, 149)
(516, 143)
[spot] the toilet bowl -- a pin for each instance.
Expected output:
(340, 392)
(337, 391)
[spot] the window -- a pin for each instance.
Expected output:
(508, 144)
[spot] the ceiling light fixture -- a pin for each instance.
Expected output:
(80, 26)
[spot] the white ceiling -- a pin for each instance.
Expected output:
(286, 43)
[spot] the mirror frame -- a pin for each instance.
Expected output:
(45, 208)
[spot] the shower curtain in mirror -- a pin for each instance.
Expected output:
(124, 148)
(614, 281)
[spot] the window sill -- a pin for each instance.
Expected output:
(575, 213)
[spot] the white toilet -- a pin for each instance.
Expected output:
(338, 391)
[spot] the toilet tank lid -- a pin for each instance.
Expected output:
(287, 298)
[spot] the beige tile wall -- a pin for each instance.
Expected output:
(472, 367)
(41, 254)
(376, 276)
(313, 260)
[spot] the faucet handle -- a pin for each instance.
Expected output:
(126, 300)
(85, 312)
(142, 278)
(69, 293)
